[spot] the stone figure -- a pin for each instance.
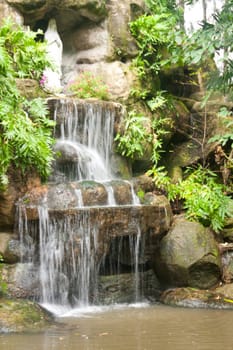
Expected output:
(51, 79)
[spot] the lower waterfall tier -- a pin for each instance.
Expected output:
(84, 253)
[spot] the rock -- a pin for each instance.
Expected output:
(70, 9)
(7, 11)
(190, 297)
(18, 185)
(120, 13)
(93, 193)
(29, 88)
(118, 76)
(120, 167)
(122, 192)
(226, 290)
(182, 155)
(22, 316)
(22, 280)
(227, 267)
(9, 248)
(143, 183)
(227, 232)
(121, 288)
(188, 256)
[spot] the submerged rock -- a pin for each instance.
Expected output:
(22, 316)
(188, 256)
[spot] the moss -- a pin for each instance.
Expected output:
(22, 315)
(30, 88)
(98, 8)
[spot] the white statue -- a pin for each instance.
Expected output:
(51, 79)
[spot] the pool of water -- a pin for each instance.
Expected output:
(132, 327)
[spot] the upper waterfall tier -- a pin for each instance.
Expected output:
(84, 133)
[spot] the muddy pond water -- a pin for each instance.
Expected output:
(133, 327)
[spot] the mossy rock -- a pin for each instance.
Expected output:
(22, 316)
(188, 256)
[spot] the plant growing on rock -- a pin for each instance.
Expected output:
(86, 85)
(3, 285)
(131, 142)
(204, 199)
(25, 139)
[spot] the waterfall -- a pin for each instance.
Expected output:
(85, 140)
(67, 259)
(68, 236)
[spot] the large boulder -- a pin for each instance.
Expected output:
(188, 256)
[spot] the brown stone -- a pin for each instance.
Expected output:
(18, 185)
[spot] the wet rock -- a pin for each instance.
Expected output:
(93, 193)
(66, 152)
(121, 288)
(61, 196)
(22, 280)
(22, 316)
(190, 297)
(122, 192)
(188, 256)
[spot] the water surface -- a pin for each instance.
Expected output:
(132, 328)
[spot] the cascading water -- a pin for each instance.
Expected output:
(85, 140)
(70, 253)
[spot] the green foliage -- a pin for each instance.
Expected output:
(25, 130)
(87, 85)
(139, 131)
(214, 39)
(225, 137)
(160, 178)
(3, 286)
(159, 47)
(141, 194)
(204, 199)
(131, 143)
(20, 50)
(153, 33)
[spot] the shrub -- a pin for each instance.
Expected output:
(86, 85)
(203, 197)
